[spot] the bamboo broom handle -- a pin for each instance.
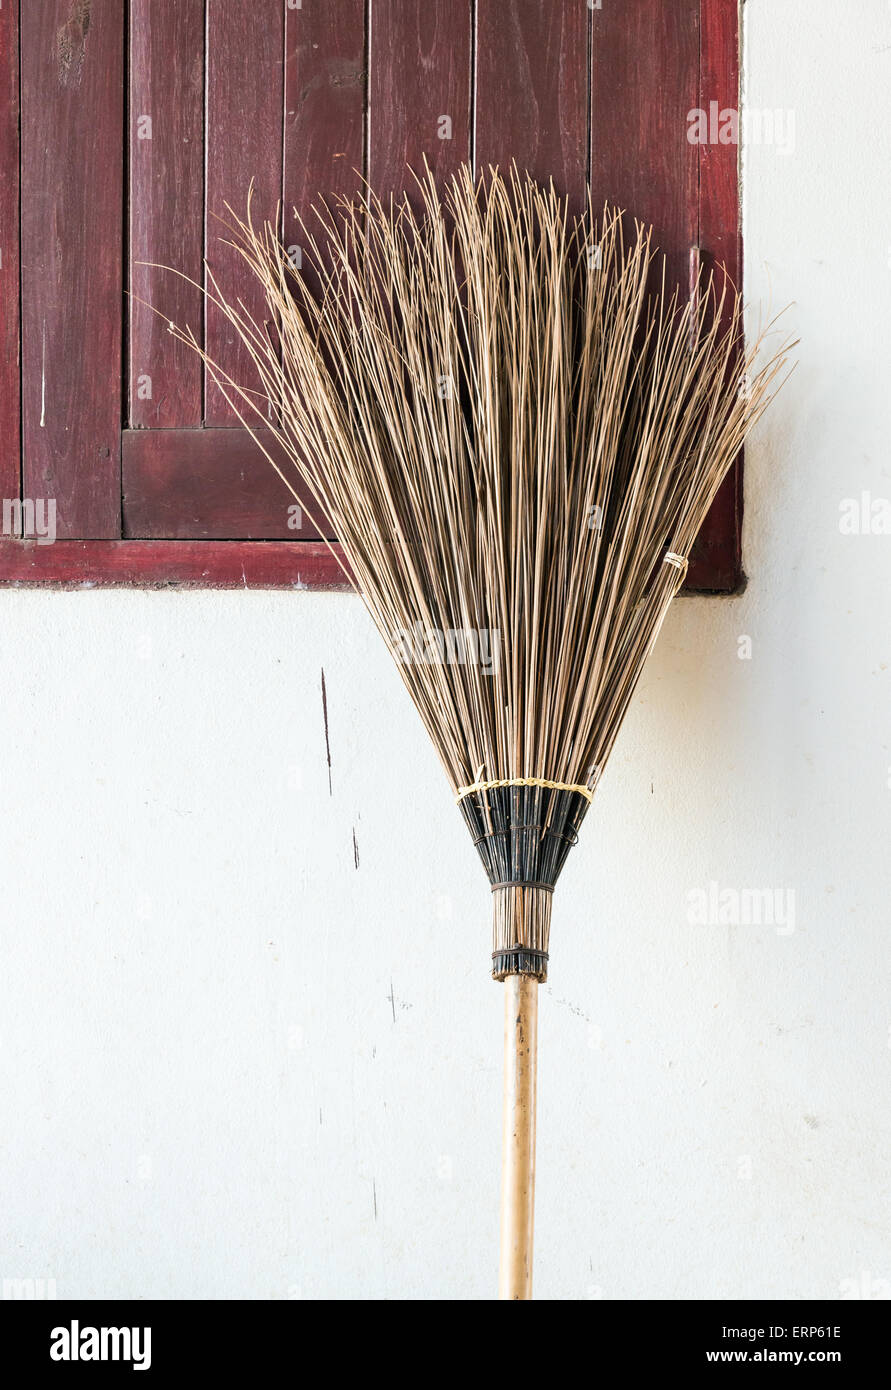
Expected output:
(518, 1155)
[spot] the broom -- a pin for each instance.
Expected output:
(516, 439)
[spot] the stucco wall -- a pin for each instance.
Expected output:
(248, 1044)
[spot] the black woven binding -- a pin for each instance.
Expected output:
(520, 960)
(523, 834)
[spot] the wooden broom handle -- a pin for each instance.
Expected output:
(518, 1156)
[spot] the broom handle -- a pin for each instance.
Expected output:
(518, 1157)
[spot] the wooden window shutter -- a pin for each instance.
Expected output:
(128, 127)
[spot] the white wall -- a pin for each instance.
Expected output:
(232, 1063)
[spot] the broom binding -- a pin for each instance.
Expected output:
(523, 829)
(521, 930)
(520, 960)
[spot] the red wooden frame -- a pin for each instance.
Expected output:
(10, 323)
(509, 73)
(166, 564)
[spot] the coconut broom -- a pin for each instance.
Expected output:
(516, 439)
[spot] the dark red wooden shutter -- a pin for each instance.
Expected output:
(140, 121)
(72, 137)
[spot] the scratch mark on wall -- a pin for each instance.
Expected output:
(327, 738)
(374, 1196)
(568, 1004)
(392, 998)
(355, 849)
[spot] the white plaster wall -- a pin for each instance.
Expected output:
(232, 1063)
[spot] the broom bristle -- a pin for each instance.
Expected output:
(516, 443)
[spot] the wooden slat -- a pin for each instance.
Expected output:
(10, 324)
(716, 559)
(208, 485)
(532, 90)
(245, 113)
(166, 208)
(720, 237)
(325, 90)
(644, 82)
(419, 79)
(165, 564)
(72, 237)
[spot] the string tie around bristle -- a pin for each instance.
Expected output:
(678, 562)
(524, 782)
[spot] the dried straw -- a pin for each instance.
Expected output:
(508, 431)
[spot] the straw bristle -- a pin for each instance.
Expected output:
(508, 432)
